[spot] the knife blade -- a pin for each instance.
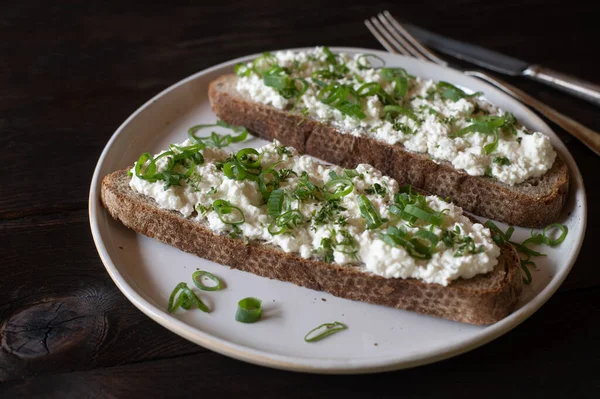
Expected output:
(508, 65)
(469, 52)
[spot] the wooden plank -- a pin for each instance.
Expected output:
(60, 310)
(71, 72)
(548, 353)
(76, 75)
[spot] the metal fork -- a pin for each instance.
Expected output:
(392, 35)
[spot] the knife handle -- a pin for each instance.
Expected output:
(584, 134)
(567, 83)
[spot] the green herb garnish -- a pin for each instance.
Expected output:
(305, 189)
(450, 92)
(228, 213)
(337, 187)
(501, 161)
(216, 140)
(197, 279)
(249, 310)
(368, 211)
(285, 222)
(377, 189)
(343, 98)
(186, 299)
(326, 249)
(328, 212)
(421, 245)
(490, 125)
(399, 76)
(501, 237)
(365, 63)
(324, 330)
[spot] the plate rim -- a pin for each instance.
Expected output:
(312, 365)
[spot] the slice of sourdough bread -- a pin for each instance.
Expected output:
(483, 299)
(534, 203)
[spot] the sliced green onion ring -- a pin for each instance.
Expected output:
(417, 212)
(364, 56)
(485, 125)
(526, 250)
(491, 147)
(186, 299)
(499, 237)
(228, 213)
(215, 140)
(234, 171)
(172, 304)
(197, 279)
(396, 109)
(267, 57)
(429, 236)
(275, 202)
(344, 98)
(245, 158)
(285, 221)
(266, 187)
(141, 170)
(241, 69)
(249, 310)
(324, 330)
(399, 76)
(554, 242)
(368, 211)
(536, 239)
(341, 187)
(524, 263)
(415, 247)
(451, 92)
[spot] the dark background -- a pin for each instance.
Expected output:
(70, 73)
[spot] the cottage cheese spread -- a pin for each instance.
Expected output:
(518, 155)
(338, 235)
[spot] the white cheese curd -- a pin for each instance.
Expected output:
(254, 86)
(339, 235)
(437, 117)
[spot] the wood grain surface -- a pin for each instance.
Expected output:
(71, 72)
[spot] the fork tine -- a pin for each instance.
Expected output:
(391, 41)
(379, 37)
(430, 55)
(399, 39)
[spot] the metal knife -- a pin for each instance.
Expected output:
(507, 65)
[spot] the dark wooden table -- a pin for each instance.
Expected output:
(71, 73)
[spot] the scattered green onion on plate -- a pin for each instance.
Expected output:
(197, 279)
(249, 310)
(185, 299)
(324, 330)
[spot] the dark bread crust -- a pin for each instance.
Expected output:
(483, 299)
(535, 203)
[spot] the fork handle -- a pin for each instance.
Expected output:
(567, 83)
(586, 135)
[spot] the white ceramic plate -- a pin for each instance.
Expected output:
(378, 338)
